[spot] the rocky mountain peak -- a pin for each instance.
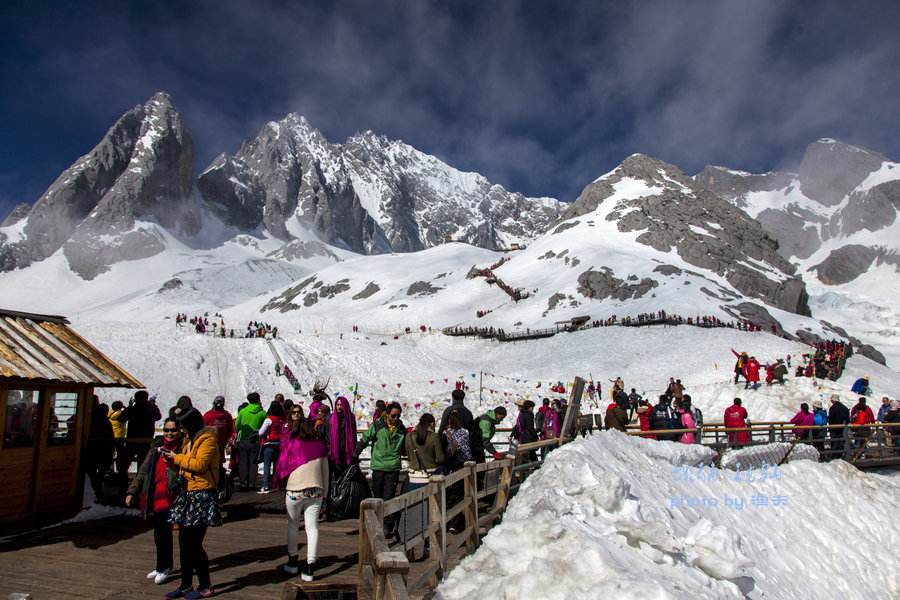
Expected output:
(141, 169)
(19, 212)
(831, 169)
(668, 211)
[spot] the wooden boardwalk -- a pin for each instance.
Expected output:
(109, 558)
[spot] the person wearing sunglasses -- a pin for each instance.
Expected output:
(387, 437)
(156, 486)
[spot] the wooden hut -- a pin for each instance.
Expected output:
(47, 377)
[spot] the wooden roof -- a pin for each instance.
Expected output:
(45, 348)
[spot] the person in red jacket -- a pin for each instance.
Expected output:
(861, 415)
(735, 417)
(643, 412)
(751, 373)
(221, 420)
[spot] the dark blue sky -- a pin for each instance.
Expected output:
(541, 97)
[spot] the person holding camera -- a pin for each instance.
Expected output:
(156, 486)
(197, 506)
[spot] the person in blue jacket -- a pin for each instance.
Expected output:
(861, 386)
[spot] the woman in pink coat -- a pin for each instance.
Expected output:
(687, 422)
(803, 418)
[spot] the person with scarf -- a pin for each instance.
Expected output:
(197, 506)
(304, 473)
(341, 435)
(156, 485)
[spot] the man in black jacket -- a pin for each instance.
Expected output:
(838, 414)
(141, 416)
(663, 417)
(465, 415)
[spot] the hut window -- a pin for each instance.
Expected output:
(61, 428)
(21, 414)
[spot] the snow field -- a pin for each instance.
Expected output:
(172, 361)
(612, 516)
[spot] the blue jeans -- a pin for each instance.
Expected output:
(270, 456)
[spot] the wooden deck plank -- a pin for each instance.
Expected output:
(109, 558)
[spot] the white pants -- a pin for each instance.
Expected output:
(308, 509)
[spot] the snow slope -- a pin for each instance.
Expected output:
(173, 361)
(618, 517)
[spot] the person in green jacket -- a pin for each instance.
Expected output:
(482, 433)
(246, 427)
(387, 436)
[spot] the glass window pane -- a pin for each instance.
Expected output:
(21, 414)
(61, 426)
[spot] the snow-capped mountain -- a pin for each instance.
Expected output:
(97, 210)
(135, 192)
(837, 220)
(641, 238)
(297, 227)
(369, 194)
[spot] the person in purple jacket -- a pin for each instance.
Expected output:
(803, 418)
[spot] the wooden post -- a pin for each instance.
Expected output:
(771, 434)
(574, 408)
(502, 496)
(848, 437)
(480, 385)
(438, 509)
(470, 495)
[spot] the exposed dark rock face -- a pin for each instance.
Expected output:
(19, 212)
(370, 290)
(285, 302)
(422, 288)
(758, 315)
(705, 230)
(849, 262)
(600, 285)
(831, 169)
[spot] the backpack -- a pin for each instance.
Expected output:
(698, 417)
(539, 421)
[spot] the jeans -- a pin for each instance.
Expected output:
(384, 486)
(307, 509)
(270, 456)
(162, 538)
(193, 557)
(247, 452)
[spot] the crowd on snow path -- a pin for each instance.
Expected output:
(184, 475)
(216, 327)
(314, 455)
(642, 320)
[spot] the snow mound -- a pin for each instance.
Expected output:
(770, 454)
(612, 516)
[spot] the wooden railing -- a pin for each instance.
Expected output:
(862, 445)
(384, 569)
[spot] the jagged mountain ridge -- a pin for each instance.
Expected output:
(836, 219)
(368, 195)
